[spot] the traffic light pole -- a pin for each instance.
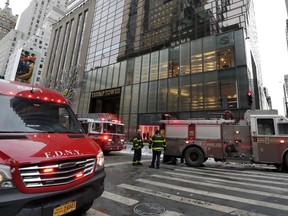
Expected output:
(249, 99)
(285, 100)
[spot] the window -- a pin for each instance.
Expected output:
(163, 65)
(196, 56)
(283, 128)
(227, 95)
(209, 61)
(154, 66)
(185, 59)
(225, 58)
(174, 61)
(265, 127)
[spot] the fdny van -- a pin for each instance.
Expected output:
(48, 165)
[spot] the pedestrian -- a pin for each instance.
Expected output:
(158, 144)
(137, 147)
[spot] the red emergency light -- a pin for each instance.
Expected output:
(48, 170)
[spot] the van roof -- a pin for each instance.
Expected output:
(29, 91)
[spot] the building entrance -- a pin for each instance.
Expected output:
(107, 101)
(148, 131)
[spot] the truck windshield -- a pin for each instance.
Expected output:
(109, 128)
(120, 129)
(20, 115)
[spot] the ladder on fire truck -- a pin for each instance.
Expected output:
(198, 121)
(99, 116)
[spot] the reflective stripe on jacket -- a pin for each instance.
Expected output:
(137, 142)
(157, 142)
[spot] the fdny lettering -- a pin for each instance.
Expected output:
(62, 153)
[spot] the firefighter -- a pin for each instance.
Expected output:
(137, 147)
(228, 115)
(158, 144)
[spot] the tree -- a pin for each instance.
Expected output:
(67, 82)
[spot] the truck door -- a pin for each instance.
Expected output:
(266, 145)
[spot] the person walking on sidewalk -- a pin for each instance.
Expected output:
(137, 147)
(158, 144)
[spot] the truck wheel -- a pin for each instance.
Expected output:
(194, 157)
(286, 160)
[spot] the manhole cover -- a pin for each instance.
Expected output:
(149, 209)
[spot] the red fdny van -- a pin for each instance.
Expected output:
(48, 165)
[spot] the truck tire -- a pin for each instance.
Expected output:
(194, 157)
(286, 160)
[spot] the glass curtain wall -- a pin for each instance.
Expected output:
(196, 76)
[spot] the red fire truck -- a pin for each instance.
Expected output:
(105, 128)
(48, 165)
(261, 137)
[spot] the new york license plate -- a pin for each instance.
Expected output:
(64, 209)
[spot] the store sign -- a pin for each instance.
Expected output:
(105, 93)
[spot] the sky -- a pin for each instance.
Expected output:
(271, 22)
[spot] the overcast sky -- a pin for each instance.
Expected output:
(271, 19)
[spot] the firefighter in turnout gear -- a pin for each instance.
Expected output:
(158, 144)
(137, 147)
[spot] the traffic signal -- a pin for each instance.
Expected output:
(249, 98)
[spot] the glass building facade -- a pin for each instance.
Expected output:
(185, 58)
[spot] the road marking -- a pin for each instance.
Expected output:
(217, 195)
(215, 185)
(233, 173)
(171, 213)
(131, 202)
(203, 204)
(257, 173)
(118, 198)
(235, 180)
(93, 212)
(123, 163)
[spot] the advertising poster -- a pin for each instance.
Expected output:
(25, 67)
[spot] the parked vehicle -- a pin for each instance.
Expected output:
(106, 129)
(261, 137)
(48, 165)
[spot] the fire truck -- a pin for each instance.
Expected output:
(106, 129)
(260, 137)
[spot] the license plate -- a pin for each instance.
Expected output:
(64, 209)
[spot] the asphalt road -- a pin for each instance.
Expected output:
(174, 190)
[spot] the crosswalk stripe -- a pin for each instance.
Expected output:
(217, 195)
(232, 173)
(256, 173)
(215, 185)
(280, 189)
(131, 202)
(230, 177)
(203, 204)
(118, 198)
(171, 213)
(123, 163)
(93, 212)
